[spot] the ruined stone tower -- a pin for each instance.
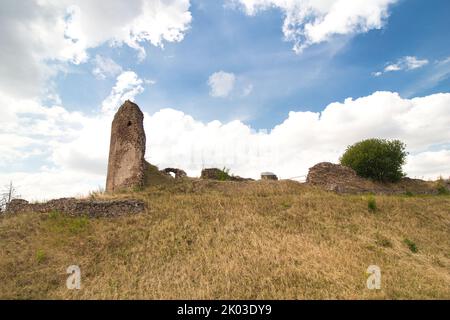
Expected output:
(126, 165)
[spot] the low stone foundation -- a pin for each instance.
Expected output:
(217, 174)
(341, 179)
(77, 207)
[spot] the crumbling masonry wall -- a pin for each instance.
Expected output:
(126, 164)
(77, 207)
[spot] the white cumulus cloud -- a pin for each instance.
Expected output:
(39, 35)
(221, 84)
(128, 85)
(309, 22)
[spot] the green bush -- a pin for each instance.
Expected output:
(411, 245)
(372, 204)
(441, 187)
(224, 174)
(443, 191)
(377, 159)
(40, 256)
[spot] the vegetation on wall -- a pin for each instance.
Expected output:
(376, 159)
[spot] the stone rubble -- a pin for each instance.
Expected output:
(78, 207)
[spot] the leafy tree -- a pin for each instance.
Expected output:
(377, 159)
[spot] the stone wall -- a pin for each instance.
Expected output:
(342, 179)
(217, 174)
(77, 207)
(178, 172)
(330, 175)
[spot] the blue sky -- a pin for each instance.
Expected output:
(252, 47)
(254, 85)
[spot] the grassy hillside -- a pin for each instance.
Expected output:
(252, 240)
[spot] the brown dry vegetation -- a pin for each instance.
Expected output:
(247, 240)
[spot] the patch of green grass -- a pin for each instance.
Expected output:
(286, 205)
(137, 189)
(411, 245)
(372, 204)
(441, 187)
(409, 194)
(54, 215)
(60, 223)
(443, 191)
(40, 256)
(383, 242)
(79, 224)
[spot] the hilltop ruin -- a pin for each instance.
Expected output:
(342, 179)
(127, 168)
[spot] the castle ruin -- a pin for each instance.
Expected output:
(126, 164)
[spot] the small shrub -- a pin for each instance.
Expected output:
(442, 188)
(40, 256)
(372, 204)
(411, 245)
(286, 205)
(224, 174)
(443, 191)
(376, 159)
(409, 194)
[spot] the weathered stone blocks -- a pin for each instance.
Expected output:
(126, 165)
(78, 207)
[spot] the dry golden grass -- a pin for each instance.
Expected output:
(229, 240)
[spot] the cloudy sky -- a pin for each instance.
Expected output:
(252, 85)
